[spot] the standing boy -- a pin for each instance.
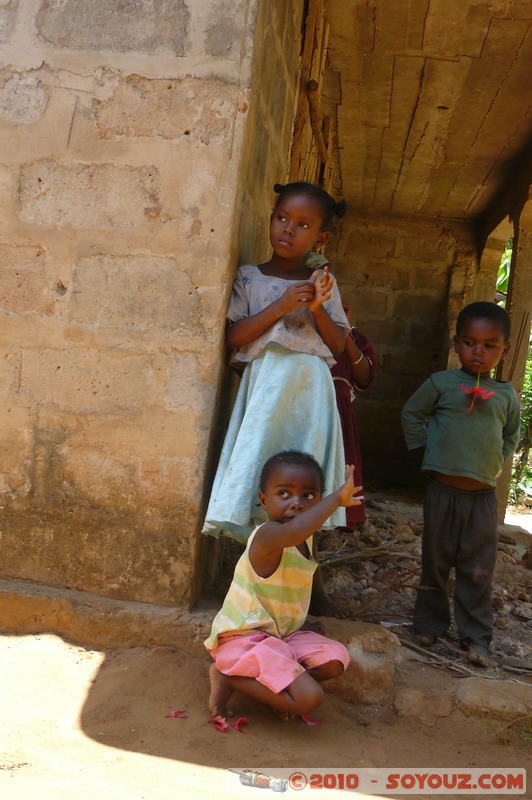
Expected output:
(469, 425)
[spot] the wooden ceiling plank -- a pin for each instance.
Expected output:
(353, 25)
(351, 148)
(408, 72)
(505, 36)
(425, 148)
(473, 105)
(415, 25)
(442, 146)
(477, 135)
(390, 27)
(376, 89)
(365, 28)
(442, 83)
(446, 22)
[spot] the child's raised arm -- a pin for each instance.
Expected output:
(272, 537)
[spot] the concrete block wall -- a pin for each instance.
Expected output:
(122, 129)
(265, 155)
(401, 277)
(266, 147)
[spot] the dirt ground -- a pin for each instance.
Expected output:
(91, 725)
(375, 570)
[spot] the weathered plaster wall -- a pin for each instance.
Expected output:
(264, 162)
(122, 129)
(266, 148)
(402, 278)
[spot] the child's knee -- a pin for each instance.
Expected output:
(332, 669)
(310, 699)
(339, 654)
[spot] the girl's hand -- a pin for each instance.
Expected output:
(295, 295)
(323, 284)
(348, 491)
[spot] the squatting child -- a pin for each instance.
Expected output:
(469, 425)
(258, 639)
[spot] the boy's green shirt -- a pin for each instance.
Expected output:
(474, 444)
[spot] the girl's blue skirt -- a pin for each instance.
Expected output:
(286, 401)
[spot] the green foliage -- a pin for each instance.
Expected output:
(503, 276)
(521, 480)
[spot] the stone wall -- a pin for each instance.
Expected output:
(140, 144)
(402, 279)
(266, 148)
(122, 164)
(264, 161)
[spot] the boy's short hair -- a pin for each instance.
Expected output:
(290, 457)
(484, 310)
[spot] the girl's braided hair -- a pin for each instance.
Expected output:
(330, 207)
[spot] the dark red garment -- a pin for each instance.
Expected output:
(342, 369)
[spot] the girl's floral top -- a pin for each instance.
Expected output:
(253, 291)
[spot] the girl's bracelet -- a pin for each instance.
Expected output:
(359, 359)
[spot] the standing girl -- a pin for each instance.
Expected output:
(286, 324)
(353, 372)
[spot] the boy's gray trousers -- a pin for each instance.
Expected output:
(460, 531)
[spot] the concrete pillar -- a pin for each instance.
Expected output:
(519, 305)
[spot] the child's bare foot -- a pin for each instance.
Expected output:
(283, 715)
(220, 693)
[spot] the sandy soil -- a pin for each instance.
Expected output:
(83, 724)
(375, 570)
(90, 725)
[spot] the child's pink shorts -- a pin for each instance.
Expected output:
(274, 662)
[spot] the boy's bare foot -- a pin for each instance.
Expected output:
(479, 655)
(220, 693)
(424, 639)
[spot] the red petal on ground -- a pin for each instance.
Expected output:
(239, 723)
(308, 720)
(178, 714)
(219, 723)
